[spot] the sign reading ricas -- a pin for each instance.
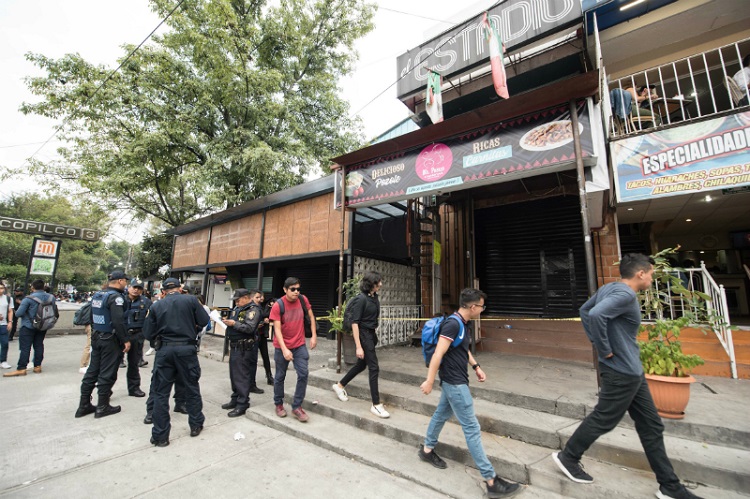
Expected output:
(47, 229)
(518, 21)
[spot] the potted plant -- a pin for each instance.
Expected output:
(666, 366)
(336, 318)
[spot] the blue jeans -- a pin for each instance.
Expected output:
(300, 358)
(3, 343)
(620, 393)
(456, 400)
(26, 338)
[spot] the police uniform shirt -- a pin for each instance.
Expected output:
(116, 305)
(137, 310)
(246, 322)
(174, 318)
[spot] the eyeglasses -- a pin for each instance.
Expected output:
(484, 307)
(294, 290)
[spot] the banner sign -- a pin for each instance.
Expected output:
(517, 148)
(519, 22)
(706, 156)
(47, 229)
(44, 254)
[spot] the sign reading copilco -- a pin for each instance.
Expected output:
(47, 229)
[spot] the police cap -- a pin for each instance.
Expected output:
(239, 293)
(136, 283)
(170, 283)
(117, 274)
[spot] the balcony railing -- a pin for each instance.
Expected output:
(678, 92)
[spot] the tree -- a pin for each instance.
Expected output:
(238, 100)
(156, 250)
(79, 262)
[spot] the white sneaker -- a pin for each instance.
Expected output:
(340, 392)
(380, 411)
(83, 370)
(150, 351)
(5, 365)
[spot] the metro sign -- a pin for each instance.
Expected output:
(45, 248)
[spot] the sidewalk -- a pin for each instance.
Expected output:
(46, 452)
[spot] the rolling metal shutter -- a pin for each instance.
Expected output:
(530, 258)
(317, 284)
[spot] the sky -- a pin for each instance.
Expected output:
(97, 29)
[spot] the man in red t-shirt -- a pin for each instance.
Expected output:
(289, 342)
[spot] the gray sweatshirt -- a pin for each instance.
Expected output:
(611, 319)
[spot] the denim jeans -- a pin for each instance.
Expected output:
(619, 393)
(300, 358)
(26, 339)
(456, 400)
(3, 343)
(368, 339)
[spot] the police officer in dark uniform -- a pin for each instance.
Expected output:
(173, 324)
(137, 307)
(242, 333)
(109, 339)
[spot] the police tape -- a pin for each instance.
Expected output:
(483, 319)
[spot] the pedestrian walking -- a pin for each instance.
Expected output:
(6, 318)
(611, 319)
(455, 397)
(365, 313)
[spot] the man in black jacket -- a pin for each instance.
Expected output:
(242, 329)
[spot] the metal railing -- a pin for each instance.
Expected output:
(678, 92)
(397, 324)
(714, 313)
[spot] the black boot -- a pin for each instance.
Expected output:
(269, 378)
(104, 409)
(85, 407)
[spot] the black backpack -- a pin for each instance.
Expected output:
(305, 317)
(46, 314)
(82, 317)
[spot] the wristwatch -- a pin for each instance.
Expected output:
(475, 366)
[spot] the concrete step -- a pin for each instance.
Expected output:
(514, 460)
(576, 352)
(697, 461)
(714, 433)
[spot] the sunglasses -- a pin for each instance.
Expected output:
(294, 290)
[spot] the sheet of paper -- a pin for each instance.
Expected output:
(215, 316)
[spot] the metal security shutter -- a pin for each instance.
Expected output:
(530, 258)
(318, 286)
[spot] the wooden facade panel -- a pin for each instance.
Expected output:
(190, 249)
(237, 240)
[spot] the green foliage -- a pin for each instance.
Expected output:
(335, 315)
(79, 262)
(237, 100)
(662, 353)
(156, 250)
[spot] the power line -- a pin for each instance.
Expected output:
(21, 145)
(101, 85)
(414, 15)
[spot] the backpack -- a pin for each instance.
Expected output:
(305, 317)
(82, 317)
(46, 314)
(349, 316)
(431, 334)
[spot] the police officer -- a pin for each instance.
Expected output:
(109, 340)
(242, 329)
(173, 324)
(137, 307)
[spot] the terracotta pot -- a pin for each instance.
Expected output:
(349, 349)
(671, 394)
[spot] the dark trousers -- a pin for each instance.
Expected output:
(135, 354)
(368, 339)
(27, 338)
(263, 348)
(3, 343)
(179, 394)
(620, 393)
(242, 367)
(300, 358)
(13, 329)
(105, 361)
(170, 364)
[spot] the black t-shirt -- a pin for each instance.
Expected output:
(365, 310)
(454, 369)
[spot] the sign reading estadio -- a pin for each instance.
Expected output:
(704, 156)
(516, 148)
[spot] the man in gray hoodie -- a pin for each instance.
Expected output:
(611, 319)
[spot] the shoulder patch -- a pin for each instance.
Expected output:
(119, 301)
(251, 315)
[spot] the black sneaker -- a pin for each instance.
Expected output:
(679, 492)
(159, 443)
(501, 488)
(574, 471)
(432, 458)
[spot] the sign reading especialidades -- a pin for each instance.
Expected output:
(517, 148)
(705, 156)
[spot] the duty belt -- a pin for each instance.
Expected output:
(178, 343)
(246, 344)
